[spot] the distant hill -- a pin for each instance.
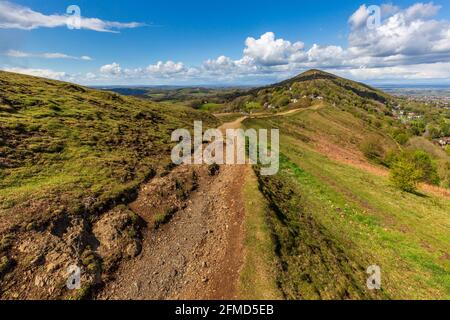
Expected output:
(310, 86)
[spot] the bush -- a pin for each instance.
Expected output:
(418, 127)
(390, 158)
(423, 161)
(405, 175)
(410, 168)
(372, 150)
(401, 138)
(282, 101)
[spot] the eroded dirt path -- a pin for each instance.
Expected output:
(199, 252)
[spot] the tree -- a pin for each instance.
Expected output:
(444, 127)
(282, 101)
(405, 175)
(410, 168)
(423, 162)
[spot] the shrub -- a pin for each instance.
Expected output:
(372, 149)
(282, 101)
(410, 168)
(405, 175)
(401, 138)
(390, 158)
(418, 127)
(423, 161)
(434, 132)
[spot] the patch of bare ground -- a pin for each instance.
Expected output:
(181, 238)
(197, 254)
(355, 158)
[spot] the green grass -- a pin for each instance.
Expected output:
(333, 220)
(211, 107)
(62, 144)
(258, 280)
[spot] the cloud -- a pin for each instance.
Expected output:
(111, 69)
(408, 35)
(325, 55)
(405, 43)
(409, 43)
(166, 68)
(269, 51)
(428, 71)
(421, 11)
(13, 16)
(44, 73)
(359, 18)
(159, 70)
(21, 54)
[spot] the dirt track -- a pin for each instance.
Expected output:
(198, 254)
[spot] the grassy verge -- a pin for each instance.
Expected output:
(259, 274)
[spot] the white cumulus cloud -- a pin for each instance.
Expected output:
(166, 68)
(409, 43)
(269, 51)
(111, 69)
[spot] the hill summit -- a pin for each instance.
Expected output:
(308, 87)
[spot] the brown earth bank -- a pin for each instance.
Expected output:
(198, 253)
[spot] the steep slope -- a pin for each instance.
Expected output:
(333, 216)
(68, 154)
(334, 211)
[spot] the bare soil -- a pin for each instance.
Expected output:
(198, 254)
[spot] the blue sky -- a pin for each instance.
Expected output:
(180, 42)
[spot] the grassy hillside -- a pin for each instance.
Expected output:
(352, 116)
(68, 149)
(334, 214)
(333, 209)
(312, 86)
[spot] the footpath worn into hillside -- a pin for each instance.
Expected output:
(199, 252)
